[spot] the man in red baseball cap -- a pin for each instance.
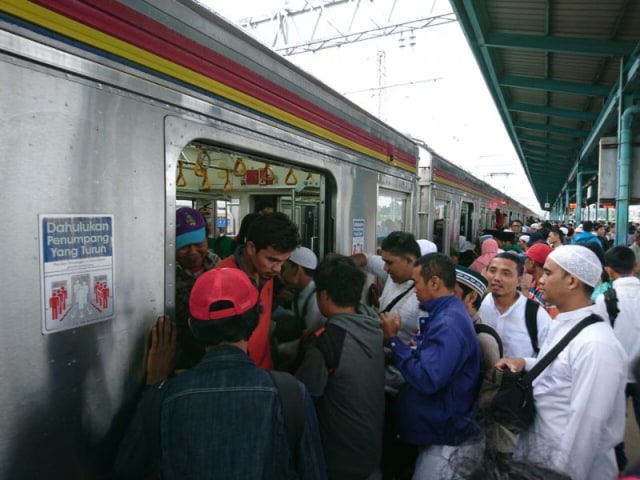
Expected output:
(536, 255)
(225, 417)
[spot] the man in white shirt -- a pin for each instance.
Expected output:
(399, 250)
(297, 275)
(620, 264)
(579, 397)
(635, 248)
(505, 308)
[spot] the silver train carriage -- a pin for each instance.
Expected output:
(114, 114)
(463, 204)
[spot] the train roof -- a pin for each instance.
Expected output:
(191, 45)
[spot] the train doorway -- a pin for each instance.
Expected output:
(466, 220)
(441, 225)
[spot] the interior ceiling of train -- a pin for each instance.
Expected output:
(559, 72)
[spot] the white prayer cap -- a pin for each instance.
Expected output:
(564, 230)
(525, 238)
(578, 261)
(304, 257)
(426, 246)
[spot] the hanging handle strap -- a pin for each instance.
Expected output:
(181, 181)
(291, 178)
(239, 168)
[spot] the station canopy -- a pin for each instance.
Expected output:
(559, 71)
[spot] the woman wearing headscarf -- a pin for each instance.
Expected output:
(488, 249)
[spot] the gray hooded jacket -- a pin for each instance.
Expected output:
(350, 399)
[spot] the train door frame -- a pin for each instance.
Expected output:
(182, 132)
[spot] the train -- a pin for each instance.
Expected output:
(465, 205)
(115, 114)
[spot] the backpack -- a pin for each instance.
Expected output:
(611, 302)
(531, 320)
(507, 397)
(484, 328)
(329, 340)
(292, 405)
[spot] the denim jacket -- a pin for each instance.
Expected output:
(223, 420)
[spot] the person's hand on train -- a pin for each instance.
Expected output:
(162, 351)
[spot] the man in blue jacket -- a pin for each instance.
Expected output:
(436, 408)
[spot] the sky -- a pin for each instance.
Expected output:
(433, 91)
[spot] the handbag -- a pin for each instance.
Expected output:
(512, 403)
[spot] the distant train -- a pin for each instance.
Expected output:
(464, 204)
(114, 114)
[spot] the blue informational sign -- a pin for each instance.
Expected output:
(77, 267)
(221, 222)
(72, 238)
(357, 236)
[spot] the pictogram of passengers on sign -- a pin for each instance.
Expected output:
(77, 270)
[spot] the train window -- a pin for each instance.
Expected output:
(391, 215)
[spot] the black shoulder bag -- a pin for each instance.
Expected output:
(512, 405)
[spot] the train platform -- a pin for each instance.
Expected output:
(632, 437)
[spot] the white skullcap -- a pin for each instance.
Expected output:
(304, 257)
(578, 261)
(564, 230)
(426, 246)
(525, 238)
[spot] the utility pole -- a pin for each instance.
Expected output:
(382, 81)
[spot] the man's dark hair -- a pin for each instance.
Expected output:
(508, 237)
(437, 265)
(401, 244)
(558, 232)
(466, 290)
(341, 279)
(247, 220)
(264, 203)
(515, 258)
(274, 230)
(230, 329)
(516, 220)
(587, 226)
(621, 259)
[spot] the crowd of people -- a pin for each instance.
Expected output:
(371, 366)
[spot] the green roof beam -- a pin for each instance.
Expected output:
(553, 112)
(543, 127)
(574, 46)
(546, 154)
(568, 144)
(574, 88)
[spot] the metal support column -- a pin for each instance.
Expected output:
(624, 162)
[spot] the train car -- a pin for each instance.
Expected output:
(453, 203)
(114, 114)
